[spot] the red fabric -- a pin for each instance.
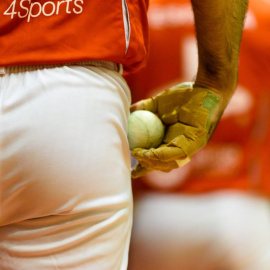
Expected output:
(238, 155)
(49, 32)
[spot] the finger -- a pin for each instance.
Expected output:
(139, 171)
(159, 165)
(189, 146)
(143, 154)
(145, 167)
(167, 154)
(163, 154)
(145, 104)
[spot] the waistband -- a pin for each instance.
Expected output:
(96, 63)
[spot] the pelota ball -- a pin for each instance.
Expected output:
(145, 130)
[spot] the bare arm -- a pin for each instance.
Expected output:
(219, 26)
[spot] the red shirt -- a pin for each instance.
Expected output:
(50, 32)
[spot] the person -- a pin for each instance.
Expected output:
(66, 200)
(213, 213)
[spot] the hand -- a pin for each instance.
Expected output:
(190, 114)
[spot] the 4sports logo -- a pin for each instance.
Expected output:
(28, 9)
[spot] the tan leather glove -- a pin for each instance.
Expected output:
(190, 114)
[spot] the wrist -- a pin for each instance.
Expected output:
(222, 83)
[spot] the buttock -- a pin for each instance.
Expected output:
(63, 139)
(65, 168)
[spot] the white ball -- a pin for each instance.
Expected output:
(145, 130)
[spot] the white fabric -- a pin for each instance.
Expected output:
(65, 190)
(216, 231)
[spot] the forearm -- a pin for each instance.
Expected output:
(219, 27)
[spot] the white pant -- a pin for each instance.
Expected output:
(66, 200)
(216, 231)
